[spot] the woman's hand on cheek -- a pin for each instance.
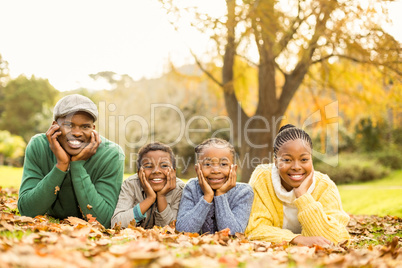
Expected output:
(230, 182)
(302, 189)
(205, 187)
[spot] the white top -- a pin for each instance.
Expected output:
(290, 211)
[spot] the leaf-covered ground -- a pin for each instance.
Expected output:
(45, 242)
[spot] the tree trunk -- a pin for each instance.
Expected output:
(251, 156)
(255, 135)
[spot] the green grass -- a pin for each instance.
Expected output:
(372, 202)
(17, 234)
(379, 197)
(393, 179)
(10, 177)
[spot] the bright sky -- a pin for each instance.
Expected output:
(65, 41)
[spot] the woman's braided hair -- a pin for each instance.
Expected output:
(215, 142)
(290, 133)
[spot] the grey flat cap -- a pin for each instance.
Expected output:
(74, 103)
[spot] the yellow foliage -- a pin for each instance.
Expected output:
(361, 91)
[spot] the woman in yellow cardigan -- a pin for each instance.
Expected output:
(292, 202)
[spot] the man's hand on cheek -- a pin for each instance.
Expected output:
(90, 149)
(63, 159)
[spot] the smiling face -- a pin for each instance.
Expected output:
(294, 163)
(215, 165)
(156, 165)
(76, 130)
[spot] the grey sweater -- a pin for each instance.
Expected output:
(232, 209)
(131, 194)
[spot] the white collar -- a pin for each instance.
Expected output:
(287, 197)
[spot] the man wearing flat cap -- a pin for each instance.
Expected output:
(71, 170)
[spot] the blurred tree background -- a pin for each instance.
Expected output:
(291, 40)
(25, 109)
(325, 66)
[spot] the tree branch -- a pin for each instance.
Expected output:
(209, 74)
(280, 69)
(248, 60)
(396, 70)
(293, 81)
(283, 43)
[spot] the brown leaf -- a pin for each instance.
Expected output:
(343, 244)
(6, 226)
(77, 221)
(228, 261)
(224, 232)
(24, 219)
(7, 216)
(117, 227)
(90, 218)
(132, 224)
(83, 232)
(241, 236)
(89, 206)
(173, 224)
(391, 248)
(56, 189)
(74, 242)
(192, 234)
(318, 248)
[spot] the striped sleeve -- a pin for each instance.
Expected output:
(324, 216)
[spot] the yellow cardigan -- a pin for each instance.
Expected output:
(319, 213)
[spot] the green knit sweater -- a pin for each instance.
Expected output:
(88, 187)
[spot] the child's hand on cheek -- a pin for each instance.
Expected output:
(302, 189)
(205, 187)
(230, 183)
(170, 183)
(146, 186)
